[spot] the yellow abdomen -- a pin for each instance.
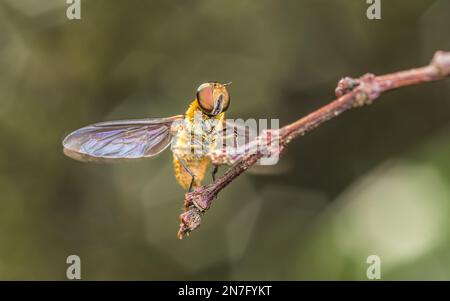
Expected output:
(198, 166)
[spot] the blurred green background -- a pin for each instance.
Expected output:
(373, 181)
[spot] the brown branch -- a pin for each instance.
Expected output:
(351, 93)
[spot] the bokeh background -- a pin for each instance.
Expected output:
(373, 181)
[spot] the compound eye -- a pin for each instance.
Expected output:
(205, 97)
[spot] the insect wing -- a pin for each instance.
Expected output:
(239, 139)
(234, 141)
(238, 135)
(124, 139)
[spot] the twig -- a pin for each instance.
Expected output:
(351, 93)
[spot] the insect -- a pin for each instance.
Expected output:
(194, 137)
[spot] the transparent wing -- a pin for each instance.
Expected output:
(124, 139)
(238, 134)
(234, 141)
(239, 139)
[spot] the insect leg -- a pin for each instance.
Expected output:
(214, 172)
(188, 171)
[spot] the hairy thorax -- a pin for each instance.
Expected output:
(194, 139)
